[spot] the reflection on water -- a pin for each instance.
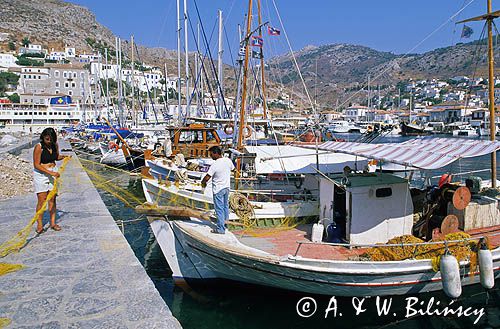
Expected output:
(225, 304)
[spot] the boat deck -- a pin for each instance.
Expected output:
(282, 242)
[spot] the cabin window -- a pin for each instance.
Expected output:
(383, 192)
(191, 137)
(210, 136)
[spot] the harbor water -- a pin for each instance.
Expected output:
(226, 304)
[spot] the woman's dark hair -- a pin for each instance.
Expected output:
(49, 132)
(215, 150)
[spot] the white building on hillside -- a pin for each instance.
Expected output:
(355, 113)
(8, 60)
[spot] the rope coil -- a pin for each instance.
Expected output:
(240, 205)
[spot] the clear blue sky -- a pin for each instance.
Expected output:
(387, 25)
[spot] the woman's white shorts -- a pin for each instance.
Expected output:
(43, 182)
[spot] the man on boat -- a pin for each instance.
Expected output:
(220, 172)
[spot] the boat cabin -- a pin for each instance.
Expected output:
(367, 207)
(193, 140)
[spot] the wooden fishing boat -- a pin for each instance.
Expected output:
(368, 209)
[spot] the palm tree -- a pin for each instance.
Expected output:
(25, 42)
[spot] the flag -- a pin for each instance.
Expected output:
(273, 31)
(466, 32)
(257, 41)
(241, 52)
(257, 54)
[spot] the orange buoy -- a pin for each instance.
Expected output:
(461, 198)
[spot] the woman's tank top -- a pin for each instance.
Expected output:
(47, 157)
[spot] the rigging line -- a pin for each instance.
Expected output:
(294, 58)
(455, 26)
(409, 51)
(475, 54)
(207, 50)
(169, 8)
(211, 60)
(282, 164)
(198, 51)
(230, 52)
(146, 82)
(276, 77)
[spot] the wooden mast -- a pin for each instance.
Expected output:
(491, 95)
(243, 95)
(489, 17)
(264, 105)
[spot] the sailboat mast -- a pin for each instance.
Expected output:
(179, 108)
(107, 85)
(219, 64)
(244, 93)
(491, 83)
(188, 94)
(200, 69)
(134, 119)
(263, 73)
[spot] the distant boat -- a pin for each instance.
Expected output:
(408, 129)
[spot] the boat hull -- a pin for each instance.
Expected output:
(193, 253)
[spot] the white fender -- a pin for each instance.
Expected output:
(486, 274)
(450, 276)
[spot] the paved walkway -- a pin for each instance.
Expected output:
(85, 276)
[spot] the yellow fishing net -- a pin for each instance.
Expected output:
(462, 250)
(4, 322)
(18, 241)
(8, 268)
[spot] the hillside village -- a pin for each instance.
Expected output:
(32, 74)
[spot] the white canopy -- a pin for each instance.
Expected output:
(423, 153)
(299, 160)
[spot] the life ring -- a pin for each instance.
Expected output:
(228, 129)
(248, 130)
(113, 146)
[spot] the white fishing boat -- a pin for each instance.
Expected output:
(465, 131)
(340, 127)
(294, 205)
(368, 209)
(112, 154)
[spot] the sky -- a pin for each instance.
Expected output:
(397, 26)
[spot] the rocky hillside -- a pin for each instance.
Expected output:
(334, 72)
(53, 23)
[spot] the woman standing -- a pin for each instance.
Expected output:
(45, 155)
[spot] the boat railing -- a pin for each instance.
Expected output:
(378, 245)
(299, 195)
(465, 173)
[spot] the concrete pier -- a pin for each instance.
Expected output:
(84, 276)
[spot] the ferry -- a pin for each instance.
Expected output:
(60, 112)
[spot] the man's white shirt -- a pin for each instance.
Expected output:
(220, 171)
